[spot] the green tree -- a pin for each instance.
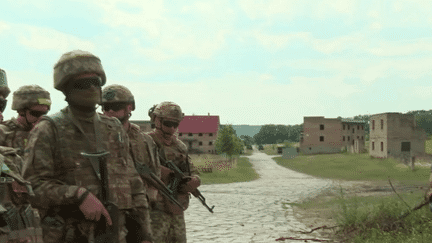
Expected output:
(228, 143)
(247, 140)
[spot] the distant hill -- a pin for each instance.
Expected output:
(246, 130)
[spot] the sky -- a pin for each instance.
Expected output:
(248, 61)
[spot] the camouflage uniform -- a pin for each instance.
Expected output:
(55, 166)
(142, 146)
(168, 221)
(4, 91)
(14, 134)
(20, 222)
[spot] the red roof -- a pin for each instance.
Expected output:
(199, 124)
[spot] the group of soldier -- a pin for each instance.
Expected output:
(73, 176)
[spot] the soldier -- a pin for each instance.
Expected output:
(79, 163)
(4, 92)
(118, 101)
(31, 102)
(168, 221)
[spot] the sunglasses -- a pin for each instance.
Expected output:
(37, 113)
(113, 106)
(86, 83)
(3, 103)
(170, 124)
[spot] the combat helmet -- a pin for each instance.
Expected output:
(117, 94)
(168, 110)
(4, 88)
(74, 63)
(29, 95)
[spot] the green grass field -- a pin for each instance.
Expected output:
(243, 171)
(354, 167)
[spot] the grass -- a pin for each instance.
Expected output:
(348, 166)
(367, 218)
(243, 171)
(270, 149)
(224, 171)
(428, 146)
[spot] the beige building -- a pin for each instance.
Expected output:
(395, 135)
(330, 135)
(199, 133)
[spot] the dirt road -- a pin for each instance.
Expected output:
(253, 211)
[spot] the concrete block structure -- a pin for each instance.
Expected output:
(330, 135)
(395, 135)
(199, 133)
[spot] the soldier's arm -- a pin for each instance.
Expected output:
(39, 160)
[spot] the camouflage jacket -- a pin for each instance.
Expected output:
(143, 149)
(55, 167)
(177, 153)
(14, 135)
(21, 223)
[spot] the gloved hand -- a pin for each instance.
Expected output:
(165, 173)
(91, 207)
(192, 184)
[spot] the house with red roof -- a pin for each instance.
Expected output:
(199, 133)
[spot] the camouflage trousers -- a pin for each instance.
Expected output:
(168, 228)
(81, 233)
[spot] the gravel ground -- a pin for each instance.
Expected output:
(255, 211)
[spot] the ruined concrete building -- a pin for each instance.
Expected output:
(395, 135)
(331, 135)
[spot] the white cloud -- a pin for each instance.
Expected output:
(48, 39)
(167, 36)
(401, 48)
(4, 26)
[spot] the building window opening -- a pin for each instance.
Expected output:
(322, 127)
(180, 134)
(353, 130)
(321, 138)
(382, 124)
(343, 126)
(358, 127)
(200, 143)
(200, 134)
(310, 148)
(358, 137)
(373, 124)
(362, 137)
(382, 146)
(210, 143)
(348, 138)
(190, 134)
(343, 138)
(211, 134)
(406, 146)
(348, 127)
(373, 145)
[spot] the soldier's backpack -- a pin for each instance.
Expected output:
(19, 222)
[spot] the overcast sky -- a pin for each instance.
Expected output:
(250, 62)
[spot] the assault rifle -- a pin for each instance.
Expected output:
(152, 179)
(179, 179)
(104, 233)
